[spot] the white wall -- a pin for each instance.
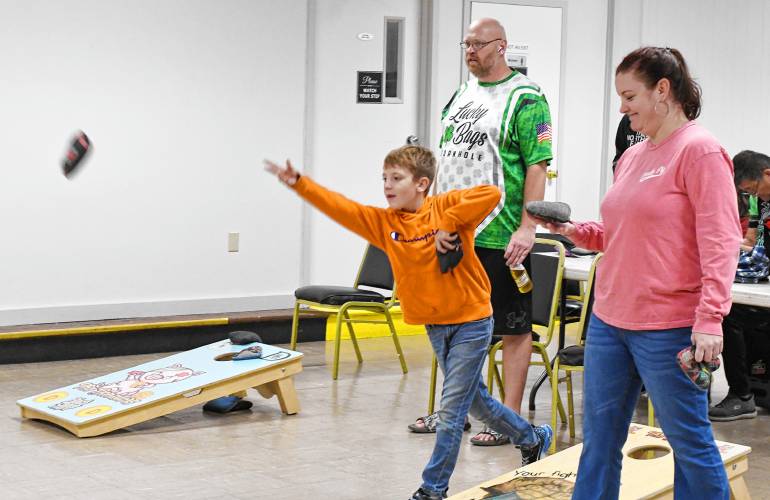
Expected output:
(182, 99)
(447, 61)
(626, 36)
(727, 47)
(732, 68)
(350, 140)
(582, 113)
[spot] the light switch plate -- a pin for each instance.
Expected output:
(233, 242)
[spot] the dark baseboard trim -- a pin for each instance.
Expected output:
(152, 340)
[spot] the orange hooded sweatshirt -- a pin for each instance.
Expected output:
(427, 296)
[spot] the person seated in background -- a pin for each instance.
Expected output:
(752, 221)
(748, 211)
(752, 178)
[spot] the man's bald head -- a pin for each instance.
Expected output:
(485, 53)
(486, 26)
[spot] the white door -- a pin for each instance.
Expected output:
(534, 38)
(348, 140)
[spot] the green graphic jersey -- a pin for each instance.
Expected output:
(491, 133)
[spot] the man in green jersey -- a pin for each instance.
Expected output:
(497, 130)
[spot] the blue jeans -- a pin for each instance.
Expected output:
(461, 350)
(617, 362)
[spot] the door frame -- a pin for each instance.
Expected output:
(561, 4)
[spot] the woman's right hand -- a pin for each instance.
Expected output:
(564, 228)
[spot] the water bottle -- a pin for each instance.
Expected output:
(520, 276)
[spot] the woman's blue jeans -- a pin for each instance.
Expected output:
(617, 362)
(461, 350)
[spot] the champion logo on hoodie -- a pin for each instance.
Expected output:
(396, 236)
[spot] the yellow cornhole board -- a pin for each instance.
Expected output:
(554, 477)
(166, 385)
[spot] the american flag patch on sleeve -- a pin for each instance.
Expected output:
(543, 132)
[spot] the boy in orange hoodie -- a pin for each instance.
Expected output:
(454, 306)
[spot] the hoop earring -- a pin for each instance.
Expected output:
(655, 108)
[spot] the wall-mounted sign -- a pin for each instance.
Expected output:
(516, 56)
(369, 87)
(515, 60)
(365, 37)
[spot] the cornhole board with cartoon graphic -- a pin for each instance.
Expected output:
(166, 385)
(648, 472)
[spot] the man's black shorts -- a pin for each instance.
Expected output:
(511, 310)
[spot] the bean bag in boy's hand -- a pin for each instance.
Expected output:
(449, 260)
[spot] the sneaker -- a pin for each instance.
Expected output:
(733, 407)
(421, 494)
(532, 454)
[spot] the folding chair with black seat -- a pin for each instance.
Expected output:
(547, 262)
(572, 289)
(374, 272)
(570, 304)
(570, 359)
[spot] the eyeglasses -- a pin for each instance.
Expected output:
(752, 191)
(477, 45)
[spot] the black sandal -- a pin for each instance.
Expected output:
(427, 424)
(497, 438)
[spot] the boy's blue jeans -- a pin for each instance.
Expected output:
(617, 362)
(461, 349)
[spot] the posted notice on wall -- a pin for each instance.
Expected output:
(369, 87)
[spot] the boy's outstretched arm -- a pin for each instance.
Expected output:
(363, 220)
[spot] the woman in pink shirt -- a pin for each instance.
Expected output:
(670, 235)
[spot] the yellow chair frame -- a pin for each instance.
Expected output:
(493, 374)
(539, 346)
(568, 369)
(343, 316)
